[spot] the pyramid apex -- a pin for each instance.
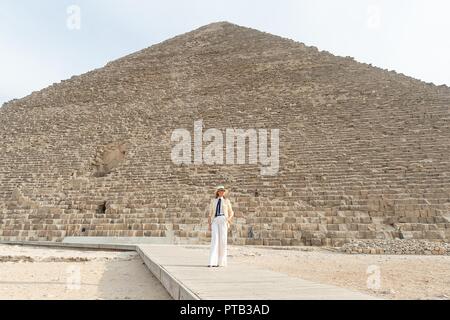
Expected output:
(218, 25)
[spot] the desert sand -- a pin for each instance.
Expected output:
(44, 273)
(401, 276)
(54, 274)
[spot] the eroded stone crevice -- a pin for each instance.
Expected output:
(108, 158)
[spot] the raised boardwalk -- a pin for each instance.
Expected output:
(183, 271)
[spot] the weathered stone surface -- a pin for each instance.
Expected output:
(363, 151)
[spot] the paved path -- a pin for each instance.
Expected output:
(183, 270)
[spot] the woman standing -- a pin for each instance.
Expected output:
(221, 213)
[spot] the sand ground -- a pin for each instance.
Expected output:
(44, 273)
(400, 276)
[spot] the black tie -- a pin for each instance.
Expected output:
(218, 208)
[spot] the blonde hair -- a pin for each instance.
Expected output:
(225, 194)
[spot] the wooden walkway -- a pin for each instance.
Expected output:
(183, 271)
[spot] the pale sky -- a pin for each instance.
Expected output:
(40, 43)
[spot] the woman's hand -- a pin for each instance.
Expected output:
(209, 226)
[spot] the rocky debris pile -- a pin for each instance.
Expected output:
(397, 246)
(9, 258)
(16, 259)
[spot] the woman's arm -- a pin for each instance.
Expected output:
(231, 212)
(209, 217)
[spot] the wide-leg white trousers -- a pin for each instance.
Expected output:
(218, 253)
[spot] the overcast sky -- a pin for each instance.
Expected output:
(46, 41)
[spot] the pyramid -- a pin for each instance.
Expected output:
(363, 152)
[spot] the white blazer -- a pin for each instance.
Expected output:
(227, 209)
